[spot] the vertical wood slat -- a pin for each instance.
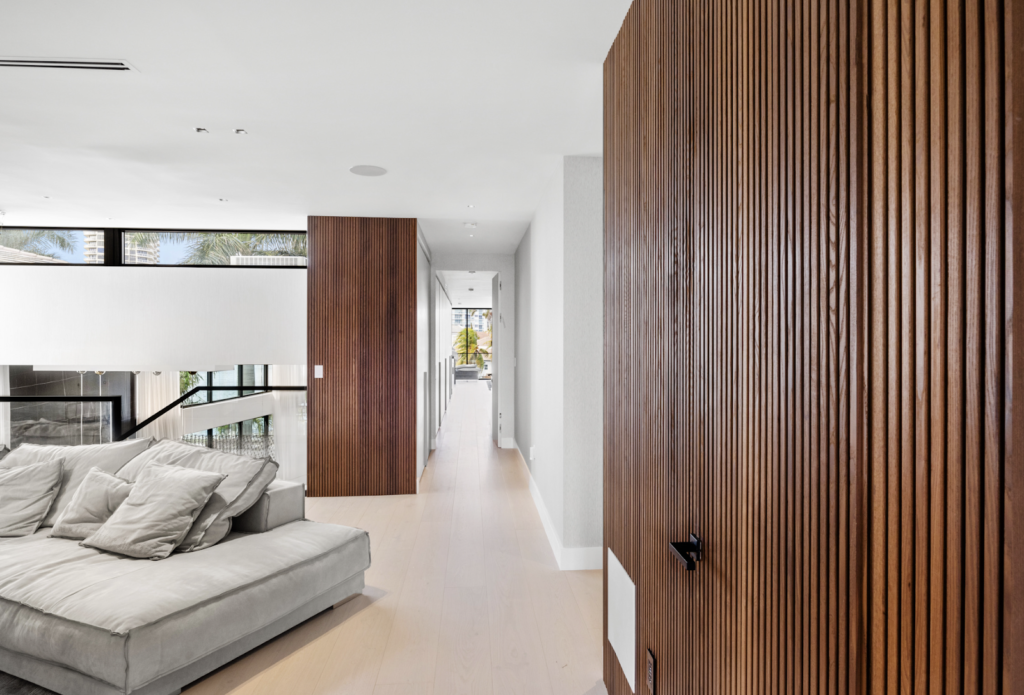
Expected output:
(810, 208)
(362, 329)
(1012, 670)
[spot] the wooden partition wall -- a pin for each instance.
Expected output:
(811, 351)
(362, 330)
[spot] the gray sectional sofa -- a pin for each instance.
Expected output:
(81, 621)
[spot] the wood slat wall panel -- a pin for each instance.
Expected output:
(811, 348)
(362, 329)
(1013, 538)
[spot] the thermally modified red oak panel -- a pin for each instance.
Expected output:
(362, 329)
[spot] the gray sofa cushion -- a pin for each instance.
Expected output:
(127, 622)
(26, 495)
(78, 461)
(282, 502)
(160, 510)
(95, 500)
(245, 480)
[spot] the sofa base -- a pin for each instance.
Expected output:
(68, 682)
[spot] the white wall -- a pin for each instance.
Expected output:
(422, 358)
(559, 266)
(152, 318)
(539, 263)
(583, 322)
(440, 365)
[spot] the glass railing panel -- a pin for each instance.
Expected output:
(59, 423)
(253, 446)
(228, 377)
(189, 381)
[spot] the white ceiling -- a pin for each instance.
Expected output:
(471, 290)
(488, 237)
(465, 102)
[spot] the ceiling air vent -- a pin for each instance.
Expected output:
(69, 64)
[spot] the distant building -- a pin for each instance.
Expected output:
(134, 254)
(477, 320)
(94, 248)
(142, 254)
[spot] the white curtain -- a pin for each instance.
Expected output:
(290, 421)
(5, 408)
(154, 393)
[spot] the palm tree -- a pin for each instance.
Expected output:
(42, 242)
(212, 248)
(466, 346)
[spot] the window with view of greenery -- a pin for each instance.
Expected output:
(152, 247)
(214, 248)
(471, 339)
(50, 246)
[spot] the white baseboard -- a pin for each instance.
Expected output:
(567, 558)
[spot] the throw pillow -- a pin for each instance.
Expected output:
(26, 495)
(158, 512)
(78, 461)
(95, 500)
(245, 479)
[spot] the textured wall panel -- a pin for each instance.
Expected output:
(362, 329)
(810, 344)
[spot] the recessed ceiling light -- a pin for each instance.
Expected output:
(202, 130)
(240, 131)
(368, 170)
(470, 205)
(469, 225)
(223, 200)
(470, 235)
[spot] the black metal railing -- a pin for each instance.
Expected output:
(251, 391)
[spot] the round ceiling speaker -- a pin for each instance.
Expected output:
(368, 170)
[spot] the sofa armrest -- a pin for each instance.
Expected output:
(281, 503)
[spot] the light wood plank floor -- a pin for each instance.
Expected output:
(464, 595)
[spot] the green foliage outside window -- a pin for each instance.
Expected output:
(467, 348)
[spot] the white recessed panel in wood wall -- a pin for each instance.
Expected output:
(622, 617)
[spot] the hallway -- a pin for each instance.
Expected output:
(464, 595)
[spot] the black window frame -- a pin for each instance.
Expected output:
(113, 251)
(240, 370)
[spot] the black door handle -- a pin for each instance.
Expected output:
(688, 553)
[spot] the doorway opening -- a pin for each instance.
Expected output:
(468, 331)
